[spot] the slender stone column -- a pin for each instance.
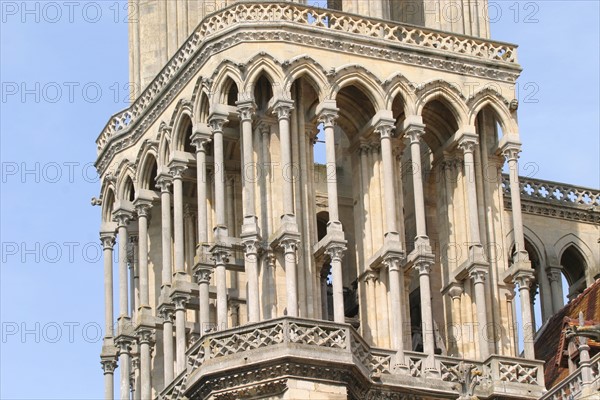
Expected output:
(250, 232)
(251, 263)
(164, 182)
(423, 266)
(587, 373)
(220, 253)
(289, 252)
(511, 150)
(217, 122)
(554, 276)
(180, 342)
(371, 282)
(324, 303)
(393, 265)
(177, 173)
(108, 366)
(468, 143)
(145, 340)
(478, 276)
(203, 278)
(364, 171)
(132, 260)
(336, 252)
(122, 218)
(221, 258)
(166, 314)
(328, 113)
(143, 211)
(283, 109)
(414, 131)
(455, 292)
(524, 278)
(201, 140)
(246, 110)
(135, 382)
(124, 346)
(108, 241)
(385, 128)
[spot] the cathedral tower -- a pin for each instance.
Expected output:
(308, 203)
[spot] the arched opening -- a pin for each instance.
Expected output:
(108, 205)
(263, 92)
(574, 267)
(229, 92)
(149, 173)
(184, 135)
(128, 189)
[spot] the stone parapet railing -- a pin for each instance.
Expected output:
(555, 192)
(573, 386)
(315, 19)
(341, 345)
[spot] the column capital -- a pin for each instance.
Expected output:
(524, 279)
(217, 120)
(176, 169)
(246, 109)
(371, 275)
(455, 290)
(164, 181)
(180, 300)
(327, 117)
(554, 274)
(336, 251)
(422, 263)
(166, 311)
(510, 149)
(478, 275)
(107, 239)
(123, 213)
(385, 127)
(467, 141)
(283, 108)
(393, 262)
(220, 255)
(289, 244)
(252, 245)
(142, 207)
(203, 275)
(145, 335)
(201, 137)
(413, 128)
(124, 344)
(109, 364)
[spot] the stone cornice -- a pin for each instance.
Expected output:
(127, 126)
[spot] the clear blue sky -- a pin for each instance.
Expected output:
(51, 274)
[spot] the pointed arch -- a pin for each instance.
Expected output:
(148, 166)
(399, 85)
(445, 93)
(126, 183)
(108, 202)
(490, 97)
(262, 64)
(308, 68)
(570, 239)
(164, 140)
(226, 76)
(182, 122)
(356, 75)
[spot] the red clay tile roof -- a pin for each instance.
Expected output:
(550, 344)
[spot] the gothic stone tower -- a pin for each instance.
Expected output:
(247, 269)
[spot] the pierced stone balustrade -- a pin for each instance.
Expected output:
(328, 343)
(573, 386)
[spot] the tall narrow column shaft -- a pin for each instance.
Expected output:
(108, 366)
(328, 117)
(385, 131)
(424, 269)
(393, 265)
(524, 279)
(221, 282)
(143, 209)
(201, 141)
(180, 341)
(251, 261)
(283, 109)
(145, 364)
(168, 356)
(123, 299)
(511, 153)
(468, 144)
(165, 206)
(414, 133)
(336, 252)
(478, 278)
(203, 288)
(177, 173)
(289, 253)
(108, 241)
